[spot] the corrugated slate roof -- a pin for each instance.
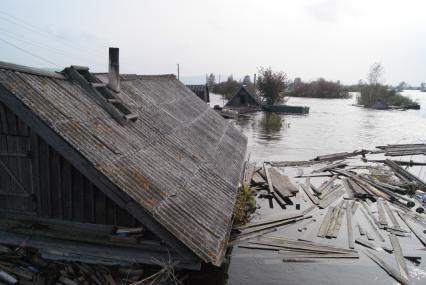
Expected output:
(180, 160)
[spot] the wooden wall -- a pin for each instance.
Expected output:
(35, 179)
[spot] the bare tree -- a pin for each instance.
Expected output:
(376, 73)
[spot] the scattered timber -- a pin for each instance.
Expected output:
(418, 234)
(403, 270)
(386, 267)
(349, 224)
(373, 245)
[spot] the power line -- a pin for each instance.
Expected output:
(28, 52)
(44, 46)
(16, 21)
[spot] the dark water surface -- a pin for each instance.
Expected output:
(332, 126)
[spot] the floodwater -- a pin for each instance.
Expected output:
(333, 125)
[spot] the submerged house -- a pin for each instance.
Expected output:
(201, 90)
(244, 99)
(83, 154)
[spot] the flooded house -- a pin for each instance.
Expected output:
(103, 168)
(201, 90)
(244, 99)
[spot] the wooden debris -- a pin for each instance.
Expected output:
(257, 179)
(418, 234)
(391, 216)
(331, 198)
(308, 192)
(269, 220)
(281, 183)
(392, 272)
(349, 224)
(381, 212)
(330, 166)
(373, 246)
(333, 232)
(361, 230)
(325, 222)
(327, 184)
(403, 270)
(376, 231)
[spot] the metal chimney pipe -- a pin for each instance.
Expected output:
(114, 69)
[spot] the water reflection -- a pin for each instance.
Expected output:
(269, 126)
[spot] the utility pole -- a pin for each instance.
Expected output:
(178, 71)
(254, 82)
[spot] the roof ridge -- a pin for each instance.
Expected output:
(30, 70)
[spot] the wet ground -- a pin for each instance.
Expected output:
(332, 126)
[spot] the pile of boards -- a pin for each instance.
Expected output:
(21, 265)
(377, 212)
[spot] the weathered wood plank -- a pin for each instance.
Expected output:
(381, 212)
(281, 183)
(336, 194)
(403, 270)
(325, 222)
(349, 206)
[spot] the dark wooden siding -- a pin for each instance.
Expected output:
(242, 98)
(37, 180)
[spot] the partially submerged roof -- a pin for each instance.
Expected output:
(244, 90)
(179, 160)
(201, 90)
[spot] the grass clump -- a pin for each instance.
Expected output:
(271, 122)
(245, 205)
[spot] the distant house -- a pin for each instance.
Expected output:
(83, 154)
(243, 98)
(201, 90)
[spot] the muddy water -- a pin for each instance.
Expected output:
(331, 126)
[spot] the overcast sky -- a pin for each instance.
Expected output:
(333, 39)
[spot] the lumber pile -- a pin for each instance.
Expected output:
(21, 265)
(366, 206)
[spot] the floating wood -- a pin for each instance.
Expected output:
(349, 224)
(333, 232)
(268, 178)
(330, 166)
(257, 179)
(391, 216)
(308, 192)
(361, 230)
(392, 272)
(381, 213)
(270, 220)
(373, 246)
(418, 234)
(281, 183)
(331, 198)
(325, 222)
(376, 231)
(403, 270)
(327, 183)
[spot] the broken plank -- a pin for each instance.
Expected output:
(281, 183)
(308, 192)
(269, 220)
(392, 272)
(374, 246)
(418, 234)
(325, 222)
(399, 256)
(381, 212)
(331, 198)
(391, 215)
(372, 225)
(349, 224)
(268, 179)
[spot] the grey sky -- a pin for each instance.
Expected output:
(334, 39)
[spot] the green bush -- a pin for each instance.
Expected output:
(271, 122)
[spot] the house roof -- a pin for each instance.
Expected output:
(244, 88)
(187, 185)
